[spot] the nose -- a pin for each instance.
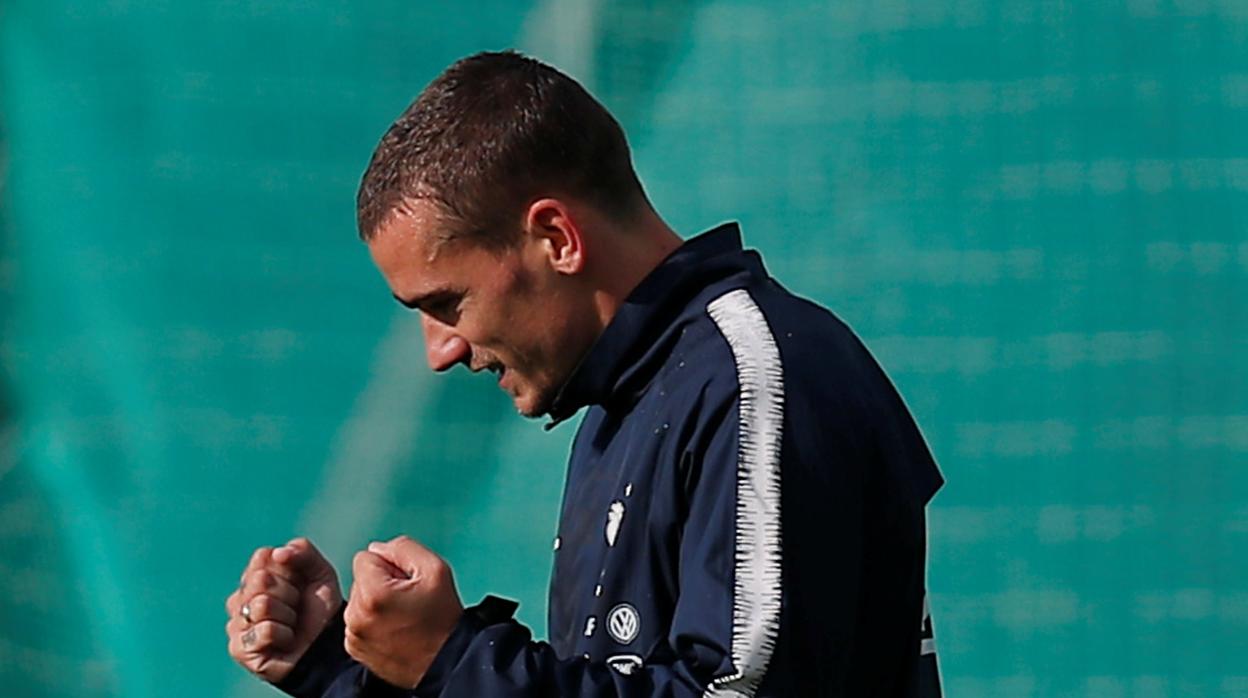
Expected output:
(443, 348)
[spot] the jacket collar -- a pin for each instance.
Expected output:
(637, 340)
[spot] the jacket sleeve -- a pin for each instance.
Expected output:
(725, 620)
(327, 671)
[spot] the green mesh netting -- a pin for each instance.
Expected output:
(1035, 213)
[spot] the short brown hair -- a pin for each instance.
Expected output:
(492, 131)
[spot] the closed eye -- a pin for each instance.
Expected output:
(442, 309)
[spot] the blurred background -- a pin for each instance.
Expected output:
(1035, 213)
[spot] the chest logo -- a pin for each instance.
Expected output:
(626, 664)
(615, 515)
(623, 623)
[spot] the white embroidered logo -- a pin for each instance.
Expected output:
(927, 641)
(623, 623)
(614, 516)
(626, 664)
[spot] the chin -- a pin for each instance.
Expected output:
(533, 403)
(529, 409)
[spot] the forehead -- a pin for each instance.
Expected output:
(405, 244)
(411, 251)
(411, 226)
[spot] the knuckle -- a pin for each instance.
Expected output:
(365, 606)
(438, 572)
(438, 567)
(283, 591)
(353, 643)
(360, 614)
(268, 670)
(372, 603)
(261, 555)
(260, 605)
(264, 636)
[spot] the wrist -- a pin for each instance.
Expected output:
(320, 663)
(472, 620)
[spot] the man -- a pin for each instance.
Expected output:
(744, 507)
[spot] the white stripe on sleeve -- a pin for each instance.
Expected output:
(756, 597)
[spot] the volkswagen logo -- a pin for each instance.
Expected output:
(623, 623)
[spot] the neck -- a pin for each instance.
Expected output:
(627, 257)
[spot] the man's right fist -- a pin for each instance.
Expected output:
(284, 599)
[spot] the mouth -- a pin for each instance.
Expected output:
(497, 370)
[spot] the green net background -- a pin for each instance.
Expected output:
(1035, 213)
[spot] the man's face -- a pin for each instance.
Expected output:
(503, 311)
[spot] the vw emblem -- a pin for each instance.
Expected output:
(623, 623)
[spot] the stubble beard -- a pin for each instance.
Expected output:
(539, 408)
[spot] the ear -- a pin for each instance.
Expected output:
(551, 223)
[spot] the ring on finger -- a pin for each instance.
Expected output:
(245, 612)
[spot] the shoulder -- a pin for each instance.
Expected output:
(801, 357)
(759, 340)
(758, 337)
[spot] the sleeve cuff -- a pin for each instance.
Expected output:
(490, 611)
(324, 661)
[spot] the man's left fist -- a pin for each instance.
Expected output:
(403, 607)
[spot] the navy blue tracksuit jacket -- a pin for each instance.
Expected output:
(743, 513)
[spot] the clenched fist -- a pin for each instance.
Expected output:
(285, 599)
(403, 607)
